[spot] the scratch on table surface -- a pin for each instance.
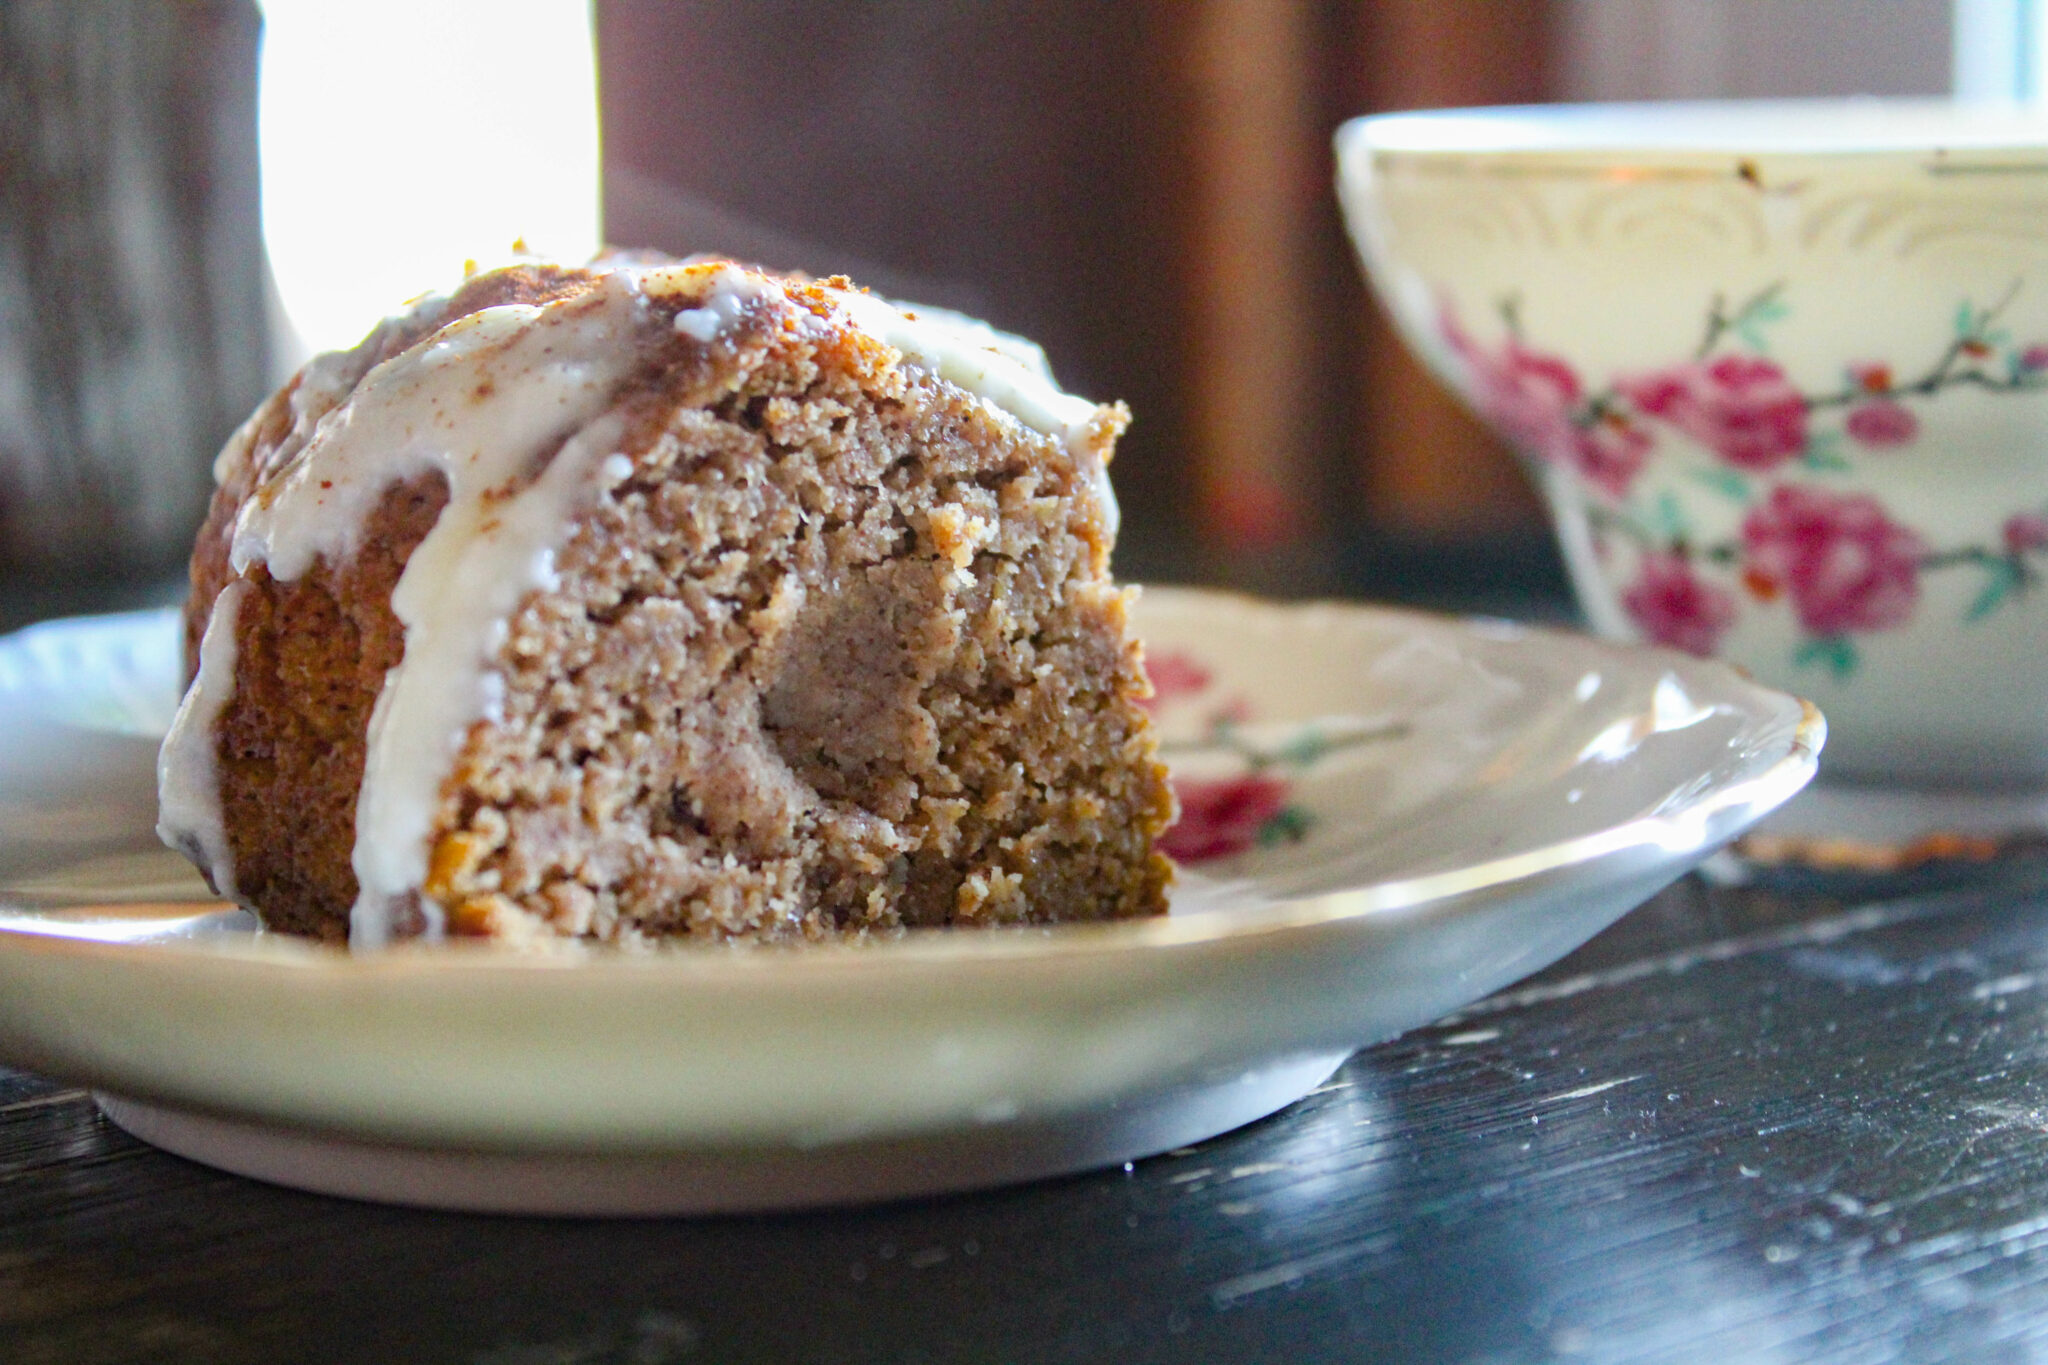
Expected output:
(1585, 1090)
(2002, 1239)
(1232, 1292)
(2009, 1118)
(1862, 965)
(1470, 1036)
(1677, 963)
(2012, 1115)
(654, 1338)
(2005, 985)
(1256, 1168)
(43, 1101)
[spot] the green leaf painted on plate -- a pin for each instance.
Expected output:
(2002, 576)
(1306, 748)
(1289, 825)
(1836, 653)
(1824, 454)
(1726, 482)
(1671, 519)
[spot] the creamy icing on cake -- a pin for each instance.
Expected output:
(187, 783)
(480, 401)
(1003, 369)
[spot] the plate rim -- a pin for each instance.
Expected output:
(1713, 815)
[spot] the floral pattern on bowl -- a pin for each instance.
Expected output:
(1842, 562)
(1235, 779)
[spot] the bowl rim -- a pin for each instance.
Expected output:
(1864, 128)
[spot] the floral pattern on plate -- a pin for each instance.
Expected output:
(1841, 561)
(1235, 779)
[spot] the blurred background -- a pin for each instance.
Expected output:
(197, 194)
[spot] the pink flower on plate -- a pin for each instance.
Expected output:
(1882, 422)
(1673, 606)
(1235, 710)
(1741, 407)
(2025, 531)
(2034, 358)
(1174, 675)
(1843, 562)
(1219, 818)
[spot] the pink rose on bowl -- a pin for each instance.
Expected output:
(1530, 396)
(1673, 606)
(1609, 454)
(1882, 422)
(1741, 407)
(1843, 562)
(1527, 396)
(1218, 819)
(1531, 400)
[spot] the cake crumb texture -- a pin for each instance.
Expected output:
(837, 654)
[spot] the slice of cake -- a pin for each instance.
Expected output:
(657, 601)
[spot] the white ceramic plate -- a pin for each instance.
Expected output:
(1390, 815)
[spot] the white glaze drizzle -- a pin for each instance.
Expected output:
(480, 401)
(455, 598)
(323, 382)
(971, 357)
(731, 291)
(187, 774)
(1002, 369)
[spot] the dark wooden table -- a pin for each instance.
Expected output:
(1806, 1122)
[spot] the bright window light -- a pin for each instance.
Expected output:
(403, 137)
(1999, 47)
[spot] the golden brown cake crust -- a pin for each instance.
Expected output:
(839, 654)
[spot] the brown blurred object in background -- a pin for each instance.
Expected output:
(1143, 188)
(1435, 472)
(132, 324)
(1015, 158)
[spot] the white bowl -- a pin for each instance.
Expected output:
(1781, 370)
